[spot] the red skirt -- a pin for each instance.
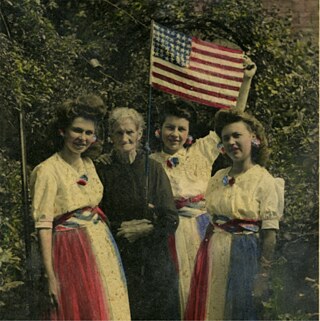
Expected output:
(81, 291)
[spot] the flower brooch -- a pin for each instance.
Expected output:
(172, 162)
(221, 148)
(228, 180)
(83, 180)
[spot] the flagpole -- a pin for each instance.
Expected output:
(147, 144)
(29, 288)
(25, 213)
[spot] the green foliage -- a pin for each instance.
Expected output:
(294, 282)
(52, 50)
(11, 244)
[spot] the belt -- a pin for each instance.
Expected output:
(64, 217)
(182, 202)
(236, 225)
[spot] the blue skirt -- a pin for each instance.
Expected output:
(223, 278)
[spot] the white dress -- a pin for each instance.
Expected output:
(57, 189)
(188, 180)
(255, 195)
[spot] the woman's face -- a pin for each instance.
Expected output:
(174, 133)
(237, 139)
(125, 136)
(79, 136)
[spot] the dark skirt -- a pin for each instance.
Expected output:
(152, 279)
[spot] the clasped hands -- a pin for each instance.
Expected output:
(135, 229)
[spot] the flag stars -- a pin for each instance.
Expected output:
(172, 46)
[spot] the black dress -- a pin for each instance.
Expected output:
(151, 275)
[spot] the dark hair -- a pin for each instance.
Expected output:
(259, 155)
(89, 106)
(178, 108)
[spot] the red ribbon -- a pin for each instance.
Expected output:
(82, 182)
(181, 202)
(66, 216)
(237, 225)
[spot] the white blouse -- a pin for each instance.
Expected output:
(55, 190)
(255, 194)
(190, 177)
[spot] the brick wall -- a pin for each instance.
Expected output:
(305, 14)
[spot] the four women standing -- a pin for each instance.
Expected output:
(82, 263)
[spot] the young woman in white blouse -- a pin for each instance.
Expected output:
(245, 203)
(81, 261)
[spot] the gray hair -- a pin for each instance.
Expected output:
(121, 113)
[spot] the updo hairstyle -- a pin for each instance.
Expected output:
(259, 155)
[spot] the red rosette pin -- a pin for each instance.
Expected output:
(83, 180)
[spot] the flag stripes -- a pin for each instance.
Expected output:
(214, 55)
(197, 77)
(212, 46)
(196, 89)
(200, 99)
(194, 69)
(218, 64)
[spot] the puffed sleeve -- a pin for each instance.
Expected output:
(43, 190)
(272, 202)
(207, 146)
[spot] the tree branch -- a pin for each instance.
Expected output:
(5, 24)
(127, 13)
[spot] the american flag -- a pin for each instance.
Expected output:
(194, 69)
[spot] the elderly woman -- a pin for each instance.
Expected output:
(141, 224)
(83, 268)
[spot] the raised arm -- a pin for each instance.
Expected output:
(250, 69)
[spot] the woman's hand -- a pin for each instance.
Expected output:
(135, 229)
(261, 286)
(261, 293)
(249, 67)
(104, 159)
(54, 291)
(45, 235)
